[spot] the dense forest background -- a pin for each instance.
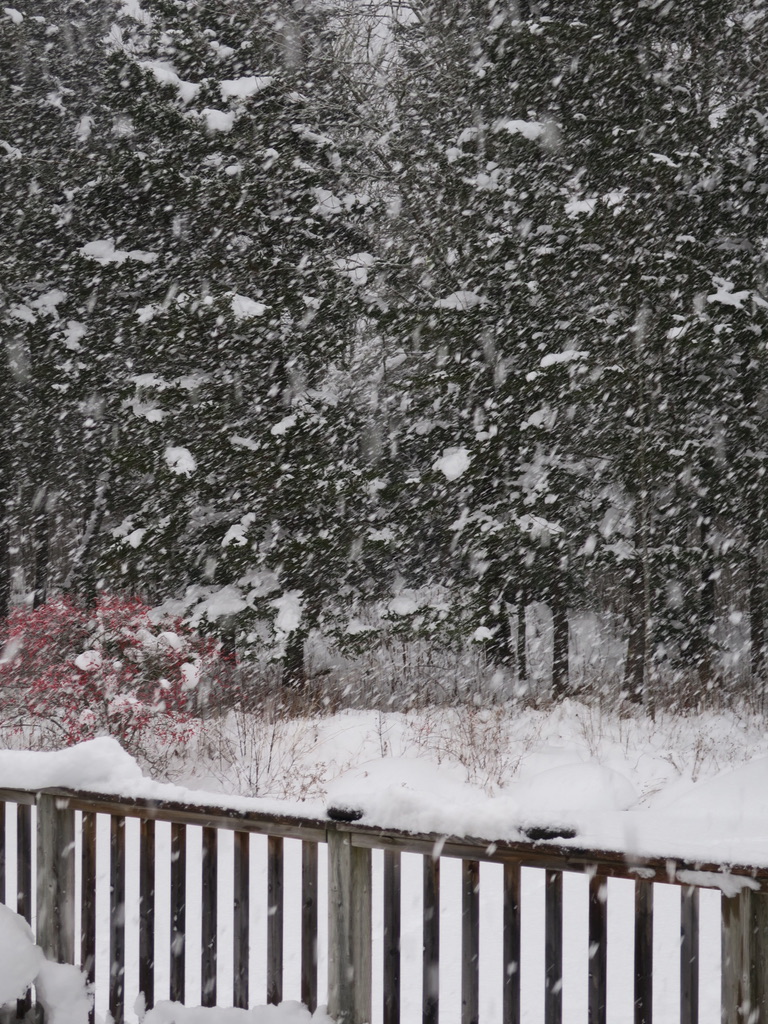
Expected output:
(344, 323)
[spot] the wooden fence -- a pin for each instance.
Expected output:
(349, 899)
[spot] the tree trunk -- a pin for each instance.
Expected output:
(634, 666)
(560, 637)
(500, 648)
(294, 668)
(5, 571)
(521, 647)
(707, 614)
(757, 639)
(82, 574)
(41, 550)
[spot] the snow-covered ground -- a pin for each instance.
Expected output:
(692, 787)
(63, 994)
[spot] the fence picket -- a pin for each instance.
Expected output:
(24, 882)
(392, 925)
(689, 955)
(309, 925)
(430, 999)
(745, 958)
(178, 911)
(511, 945)
(88, 896)
(209, 870)
(117, 918)
(3, 865)
(241, 920)
(470, 941)
(147, 912)
(643, 952)
(274, 919)
(24, 861)
(598, 949)
(553, 947)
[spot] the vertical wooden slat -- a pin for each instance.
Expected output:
(744, 958)
(210, 917)
(349, 930)
(553, 948)
(178, 911)
(511, 945)
(643, 952)
(88, 896)
(241, 924)
(598, 949)
(3, 866)
(24, 861)
(731, 958)
(117, 918)
(470, 941)
(392, 927)
(309, 925)
(689, 955)
(147, 912)
(274, 919)
(55, 879)
(24, 881)
(430, 1000)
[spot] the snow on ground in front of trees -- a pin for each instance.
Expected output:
(691, 786)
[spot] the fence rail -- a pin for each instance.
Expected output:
(58, 904)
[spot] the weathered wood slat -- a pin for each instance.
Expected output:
(88, 896)
(349, 931)
(56, 880)
(117, 919)
(178, 912)
(553, 948)
(275, 904)
(430, 996)
(202, 815)
(309, 880)
(147, 912)
(209, 929)
(24, 861)
(24, 881)
(610, 863)
(470, 941)
(643, 952)
(689, 956)
(598, 950)
(511, 945)
(3, 865)
(547, 855)
(392, 928)
(241, 920)
(745, 958)
(735, 955)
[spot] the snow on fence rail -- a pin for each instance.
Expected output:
(60, 905)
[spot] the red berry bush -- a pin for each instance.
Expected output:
(69, 674)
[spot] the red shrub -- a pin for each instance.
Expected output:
(111, 670)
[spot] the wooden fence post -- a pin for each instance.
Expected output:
(56, 878)
(745, 958)
(349, 930)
